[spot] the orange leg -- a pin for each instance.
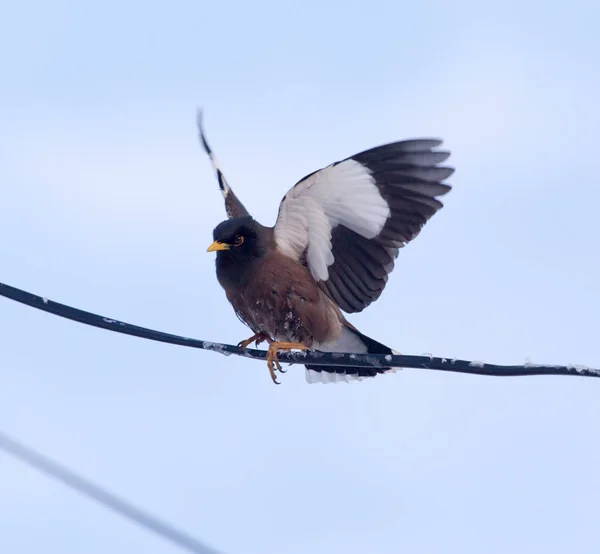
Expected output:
(273, 362)
(257, 337)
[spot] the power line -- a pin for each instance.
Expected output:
(312, 358)
(102, 496)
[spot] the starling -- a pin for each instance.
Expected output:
(331, 250)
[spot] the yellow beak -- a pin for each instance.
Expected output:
(217, 246)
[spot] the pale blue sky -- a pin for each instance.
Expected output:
(108, 204)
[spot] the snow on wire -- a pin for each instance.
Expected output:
(312, 358)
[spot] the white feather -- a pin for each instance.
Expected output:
(347, 342)
(342, 194)
(313, 377)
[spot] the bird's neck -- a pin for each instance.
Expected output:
(235, 273)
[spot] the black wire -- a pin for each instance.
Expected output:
(107, 499)
(312, 358)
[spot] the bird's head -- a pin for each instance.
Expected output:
(238, 239)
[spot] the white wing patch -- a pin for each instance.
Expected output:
(342, 194)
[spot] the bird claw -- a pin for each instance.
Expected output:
(272, 372)
(257, 338)
(272, 361)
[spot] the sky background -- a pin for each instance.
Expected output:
(108, 204)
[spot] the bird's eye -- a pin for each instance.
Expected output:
(238, 240)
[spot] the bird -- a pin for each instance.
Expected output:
(337, 235)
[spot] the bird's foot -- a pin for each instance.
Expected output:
(272, 361)
(257, 338)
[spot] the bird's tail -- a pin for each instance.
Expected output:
(354, 342)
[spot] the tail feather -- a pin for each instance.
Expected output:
(354, 342)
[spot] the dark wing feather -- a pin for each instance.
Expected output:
(233, 205)
(332, 219)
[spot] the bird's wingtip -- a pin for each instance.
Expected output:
(200, 125)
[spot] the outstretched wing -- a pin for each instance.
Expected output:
(347, 222)
(233, 206)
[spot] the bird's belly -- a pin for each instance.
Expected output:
(279, 322)
(288, 317)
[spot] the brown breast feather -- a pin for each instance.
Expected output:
(282, 299)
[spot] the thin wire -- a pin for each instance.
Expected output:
(100, 495)
(312, 358)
